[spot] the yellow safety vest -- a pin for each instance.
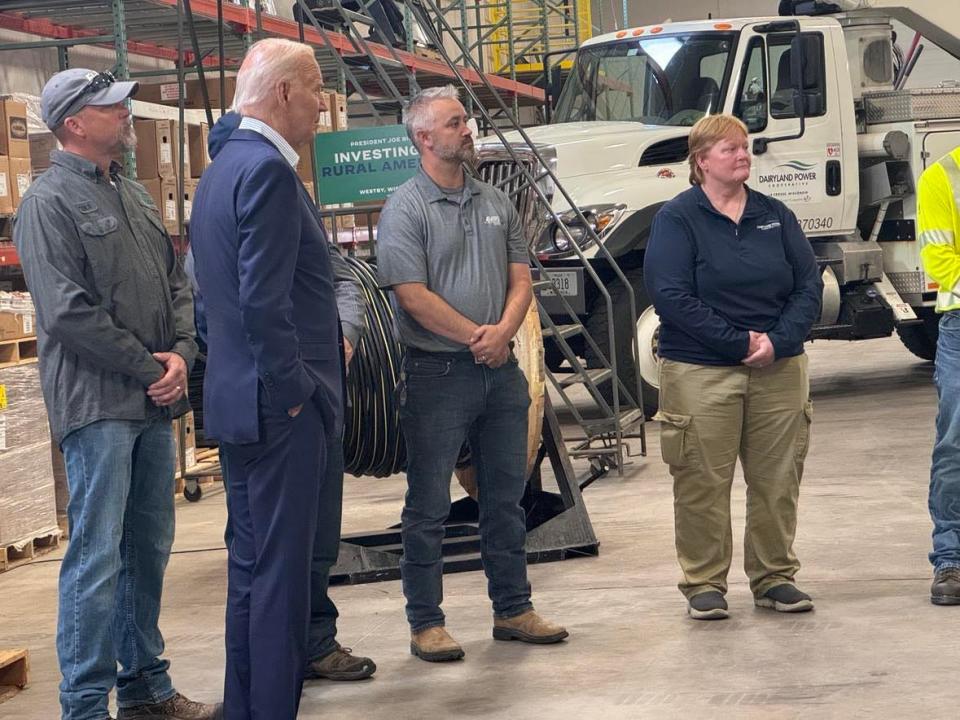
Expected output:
(938, 225)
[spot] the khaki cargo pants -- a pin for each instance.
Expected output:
(709, 417)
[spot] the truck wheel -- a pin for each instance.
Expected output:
(921, 338)
(647, 331)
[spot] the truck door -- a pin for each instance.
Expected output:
(806, 173)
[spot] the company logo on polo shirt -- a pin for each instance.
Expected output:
(769, 225)
(492, 220)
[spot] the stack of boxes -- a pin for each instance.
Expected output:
(16, 316)
(27, 493)
(158, 145)
(15, 170)
(158, 165)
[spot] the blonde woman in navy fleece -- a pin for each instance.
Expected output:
(737, 289)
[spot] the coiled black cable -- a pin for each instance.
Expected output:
(373, 443)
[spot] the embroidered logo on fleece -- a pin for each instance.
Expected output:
(769, 225)
(492, 220)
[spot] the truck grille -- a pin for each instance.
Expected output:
(507, 176)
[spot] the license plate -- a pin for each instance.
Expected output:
(565, 281)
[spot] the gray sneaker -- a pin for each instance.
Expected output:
(946, 587)
(709, 605)
(785, 598)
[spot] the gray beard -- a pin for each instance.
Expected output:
(461, 153)
(128, 138)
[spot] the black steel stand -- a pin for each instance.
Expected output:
(558, 526)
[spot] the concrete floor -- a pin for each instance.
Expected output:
(874, 647)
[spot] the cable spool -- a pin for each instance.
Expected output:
(373, 443)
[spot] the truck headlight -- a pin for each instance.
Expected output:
(600, 218)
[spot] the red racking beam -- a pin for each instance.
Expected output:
(245, 20)
(48, 29)
(289, 29)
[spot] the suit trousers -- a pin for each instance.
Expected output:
(272, 506)
(709, 417)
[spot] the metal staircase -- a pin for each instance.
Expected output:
(520, 169)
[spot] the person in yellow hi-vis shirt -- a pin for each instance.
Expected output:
(938, 222)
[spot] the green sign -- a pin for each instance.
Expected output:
(363, 165)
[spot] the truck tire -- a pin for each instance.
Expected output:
(597, 327)
(921, 338)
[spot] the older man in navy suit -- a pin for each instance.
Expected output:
(273, 390)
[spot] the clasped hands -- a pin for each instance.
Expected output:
(173, 383)
(490, 345)
(760, 351)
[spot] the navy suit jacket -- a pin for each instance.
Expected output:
(264, 272)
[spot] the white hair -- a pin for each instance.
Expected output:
(268, 63)
(418, 113)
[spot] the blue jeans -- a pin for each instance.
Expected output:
(120, 475)
(944, 500)
(446, 398)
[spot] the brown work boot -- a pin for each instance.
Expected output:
(528, 627)
(176, 708)
(435, 645)
(340, 664)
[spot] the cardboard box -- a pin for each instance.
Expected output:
(325, 123)
(153, 188)
(305, 164)
(14, 141)
(41, 145)
(21, 175)
(185, 440)
(338, 110)
(169, 206)
(14, 326)
(158, 144)
(198, 136)
(169, 93)
(189, 191)
(6, 190)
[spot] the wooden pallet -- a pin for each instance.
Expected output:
(206, 469)
(24, 551)
(14, 672)
(18, 352)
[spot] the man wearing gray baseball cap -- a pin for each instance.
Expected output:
(116, 339)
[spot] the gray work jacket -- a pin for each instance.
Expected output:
(108, 289)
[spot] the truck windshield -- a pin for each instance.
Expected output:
(662, 80)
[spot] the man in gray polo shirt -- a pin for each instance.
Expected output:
(452, 250)
(116, 339)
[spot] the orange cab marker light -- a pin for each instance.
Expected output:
(656, 29)
(638, 31)
(722, 26)
(622, 33)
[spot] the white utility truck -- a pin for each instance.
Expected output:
(832, 135)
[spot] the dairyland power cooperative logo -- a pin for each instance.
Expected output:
(793, 171)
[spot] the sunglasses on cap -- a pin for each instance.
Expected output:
(99, 82)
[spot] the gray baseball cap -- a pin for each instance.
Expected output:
(68, 92)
